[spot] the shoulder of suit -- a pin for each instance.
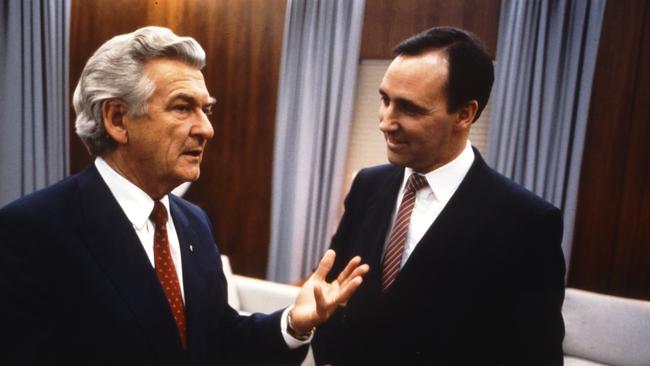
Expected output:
(187, 207)
(52, 207)
(496, 183)
(379, 171)
(53, 198)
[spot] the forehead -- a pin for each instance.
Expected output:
(417, 76)
(171, 77)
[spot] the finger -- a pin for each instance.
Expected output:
(325, 264)
(360, 271)
(352, 264)
(347, 291)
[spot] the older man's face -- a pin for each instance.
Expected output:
(166, 145)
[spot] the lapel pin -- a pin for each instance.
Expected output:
(191, 248)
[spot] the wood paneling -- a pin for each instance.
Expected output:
(611, 250)
(243, 41)
(387, 22)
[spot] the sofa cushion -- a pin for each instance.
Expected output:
(606, 329)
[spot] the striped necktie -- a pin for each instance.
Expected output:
(393, 256)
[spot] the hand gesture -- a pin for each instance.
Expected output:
(318, 299)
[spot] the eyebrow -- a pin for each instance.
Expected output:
(192, 100)
(403, 103)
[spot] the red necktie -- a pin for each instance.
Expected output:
(165, 269)
(395, 248)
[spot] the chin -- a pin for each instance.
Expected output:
(396, 159)
(189, 176)
(193, 178)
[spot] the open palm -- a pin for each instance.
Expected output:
(318, 299)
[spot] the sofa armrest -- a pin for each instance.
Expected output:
(263, 296)
(606, 329)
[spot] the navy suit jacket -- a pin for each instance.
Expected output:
(77, 288)
(484, 286)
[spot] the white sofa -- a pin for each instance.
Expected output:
(605, 330)
(600, 329)
(249, 295)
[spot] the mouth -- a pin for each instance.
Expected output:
(394, 143)
(195, 153)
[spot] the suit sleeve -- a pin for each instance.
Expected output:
(256, 339)
(536, 328)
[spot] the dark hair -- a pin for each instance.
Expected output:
(471, 72)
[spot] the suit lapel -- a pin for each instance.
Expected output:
(112, 241)
(449, 238)
(194, 281)
(377, 223)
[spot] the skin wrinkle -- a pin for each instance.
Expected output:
(163, 148)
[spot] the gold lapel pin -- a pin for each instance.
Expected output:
(191, 248)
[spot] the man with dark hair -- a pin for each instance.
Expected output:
(466, 265)
(107, 267)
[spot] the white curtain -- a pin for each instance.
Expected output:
(546, 57)
(34, 99)
(315, 102)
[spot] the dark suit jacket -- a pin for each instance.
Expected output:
(484, 286)
(77, 288)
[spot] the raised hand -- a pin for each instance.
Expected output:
(318, 299)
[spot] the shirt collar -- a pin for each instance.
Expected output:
(445, 180)
(136, 204)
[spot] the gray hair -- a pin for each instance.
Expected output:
(116, 70)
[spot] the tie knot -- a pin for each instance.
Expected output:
(159, 214)
(416, 182)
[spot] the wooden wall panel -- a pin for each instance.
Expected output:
(387, 22)
(611, 250)
(243, 41)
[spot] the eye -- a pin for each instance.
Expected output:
(384, 99)
(207, 110)
(183, 108)
(409, 111)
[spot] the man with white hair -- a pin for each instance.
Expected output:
(107, 267)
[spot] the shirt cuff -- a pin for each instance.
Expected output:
(291, 342)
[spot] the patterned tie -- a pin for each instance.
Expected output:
(165, 269)
(395, 247)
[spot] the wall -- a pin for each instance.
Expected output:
(611, 250)
(387, 22)
(243, 41)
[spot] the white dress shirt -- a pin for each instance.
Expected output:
(137, 205)
(431, 200)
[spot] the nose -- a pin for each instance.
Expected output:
(387, 119)
(203, 127)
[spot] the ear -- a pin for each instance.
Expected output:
(465, 115)
(114, 113)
